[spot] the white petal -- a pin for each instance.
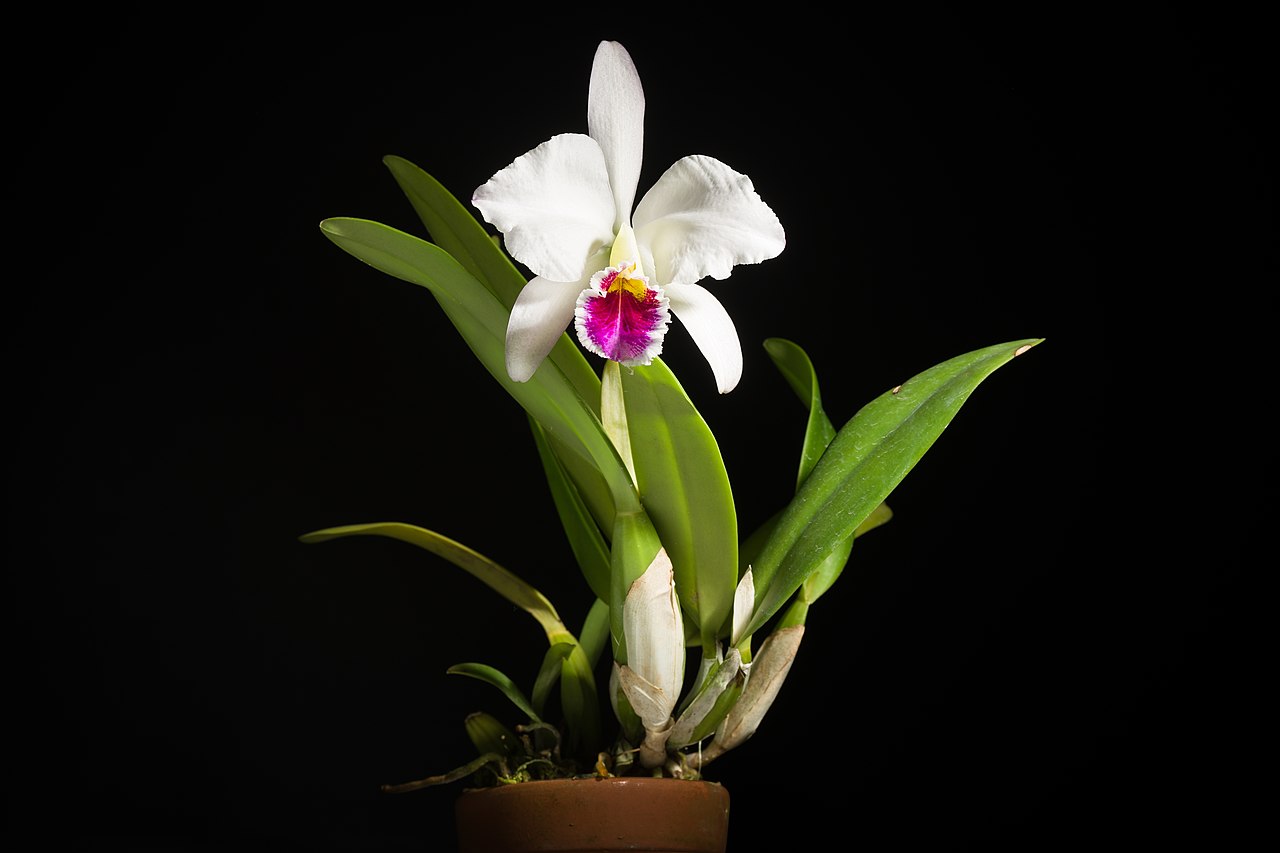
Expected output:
(615, 119)
(541, 313)
(711, 329)
(701, 218)
(553, 206)
(654, 629)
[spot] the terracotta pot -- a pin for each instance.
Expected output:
(626, 813)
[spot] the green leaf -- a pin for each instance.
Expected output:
(794, 365)
(549, 397)
(868, 458)
(585, 539)
(578, 693)
(580, 702)
(685, 489)
(500, 580)
(454, 229)
(595, 631)
(460, 234)
(549, 674)
(490, 736)
(830, 569)
(489, 675)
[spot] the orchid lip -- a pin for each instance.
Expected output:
(621, 316)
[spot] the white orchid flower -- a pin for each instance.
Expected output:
(565, 210)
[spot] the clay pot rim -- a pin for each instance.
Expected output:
(628, 781)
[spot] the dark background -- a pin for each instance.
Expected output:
(196, 376)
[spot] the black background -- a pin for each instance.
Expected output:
(196, 376)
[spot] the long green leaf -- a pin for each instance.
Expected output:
(580, 701)
(585, 539)
(685, 489)
(460, 234)
(548, 674)
(480, 318)
(578, 693)
(455, 230)
(489, 675)
(868, 458)
(594, 634)
(794, 365)
(500, 580)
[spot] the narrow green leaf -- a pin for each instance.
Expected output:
(580, 701)
(585, 539)
(868, 458)
(549, 397)
(581, 707)
(458, 232)
(489, 675)
(500, 580)
(830, 569)
(685, 489)
(549, 674)
(794, 365)
(595, 631)
(454, 229)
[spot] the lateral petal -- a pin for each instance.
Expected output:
(711, 329)
(553, 205)
(540, 315)
(701, 219)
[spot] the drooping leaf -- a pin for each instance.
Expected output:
(500, 580)
(685, 489)
(490, 675)
(474, 766)
(868, 458)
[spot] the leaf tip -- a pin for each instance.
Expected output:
(1028, 345)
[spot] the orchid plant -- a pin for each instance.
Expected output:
(694, 626)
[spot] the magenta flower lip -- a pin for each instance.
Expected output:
(621, 317)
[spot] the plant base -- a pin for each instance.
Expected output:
(637, 814)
